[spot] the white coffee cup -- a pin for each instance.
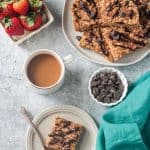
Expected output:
(51, 88)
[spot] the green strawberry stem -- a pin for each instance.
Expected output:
(31, 18)
(7, 22)
(36, 3)
(5, 2)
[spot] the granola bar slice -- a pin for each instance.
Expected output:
(115, 42)
(85, 14)
(123, 40)
(119, 12)
(65, 135)
(94, 41)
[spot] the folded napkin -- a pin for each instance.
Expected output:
(127, 125)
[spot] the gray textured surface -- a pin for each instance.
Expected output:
(14, 92)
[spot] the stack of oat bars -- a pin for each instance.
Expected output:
(112, 28)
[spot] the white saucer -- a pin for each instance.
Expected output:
(45, 119)
(71, 34)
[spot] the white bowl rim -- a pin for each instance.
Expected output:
(123, 79)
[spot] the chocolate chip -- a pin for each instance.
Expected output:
(91, 2)
(66, 147)
(117, 95)
(147, 33)
(126, 29)
(131, 14)
(116, 14)
(94, 83)
(103, 48)
(66, 123)
(107, 100)
(93, 15)
(110, 82)
(122, 14)
(95, 91)
(109, 8)
(127, 3)
(78, 38)
(137, 2)
(74, 5)
(114, 35)
(82, 4)
(84, 7)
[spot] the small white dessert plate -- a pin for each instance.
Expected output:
(45, 120)
(71, 34)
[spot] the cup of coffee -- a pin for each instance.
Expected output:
(45, 70)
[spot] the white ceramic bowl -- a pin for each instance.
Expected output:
(123, 79)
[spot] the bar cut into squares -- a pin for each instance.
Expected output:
(85, 14)
(119, 12)
(65, 135)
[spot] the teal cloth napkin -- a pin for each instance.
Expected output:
(127, 125)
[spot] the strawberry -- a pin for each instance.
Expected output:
(32, 21)
(6, 9)
(36, 5)
(10, 8)
(13, 26)
(21, 6)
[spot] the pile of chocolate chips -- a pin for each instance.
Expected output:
(107, 87)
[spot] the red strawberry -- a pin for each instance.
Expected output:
(36, 5)
(10, 8)
(6, 10)
(21, 6)
(32, 21)
(13, 26)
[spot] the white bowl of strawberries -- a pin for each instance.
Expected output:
(23, 18)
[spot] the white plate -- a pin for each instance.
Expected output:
(44, 122)
(70, 35)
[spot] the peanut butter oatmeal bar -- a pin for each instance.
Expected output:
(65, 135)
(119, 12)
(113, 43)
(85, 14)
(123, 40)
(93, 40)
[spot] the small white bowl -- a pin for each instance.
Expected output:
(123, 79)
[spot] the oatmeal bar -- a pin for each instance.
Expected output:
(85, 14)
(119, 12)
(113, 43)
(64, 136)
(93, 40)
(123, 40)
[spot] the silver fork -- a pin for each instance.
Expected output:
(28, 119)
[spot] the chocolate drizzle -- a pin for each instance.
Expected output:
(113, 5)
(90, 13)
(147, 33)
(118, 36)
(100, 42)
(122, 46)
